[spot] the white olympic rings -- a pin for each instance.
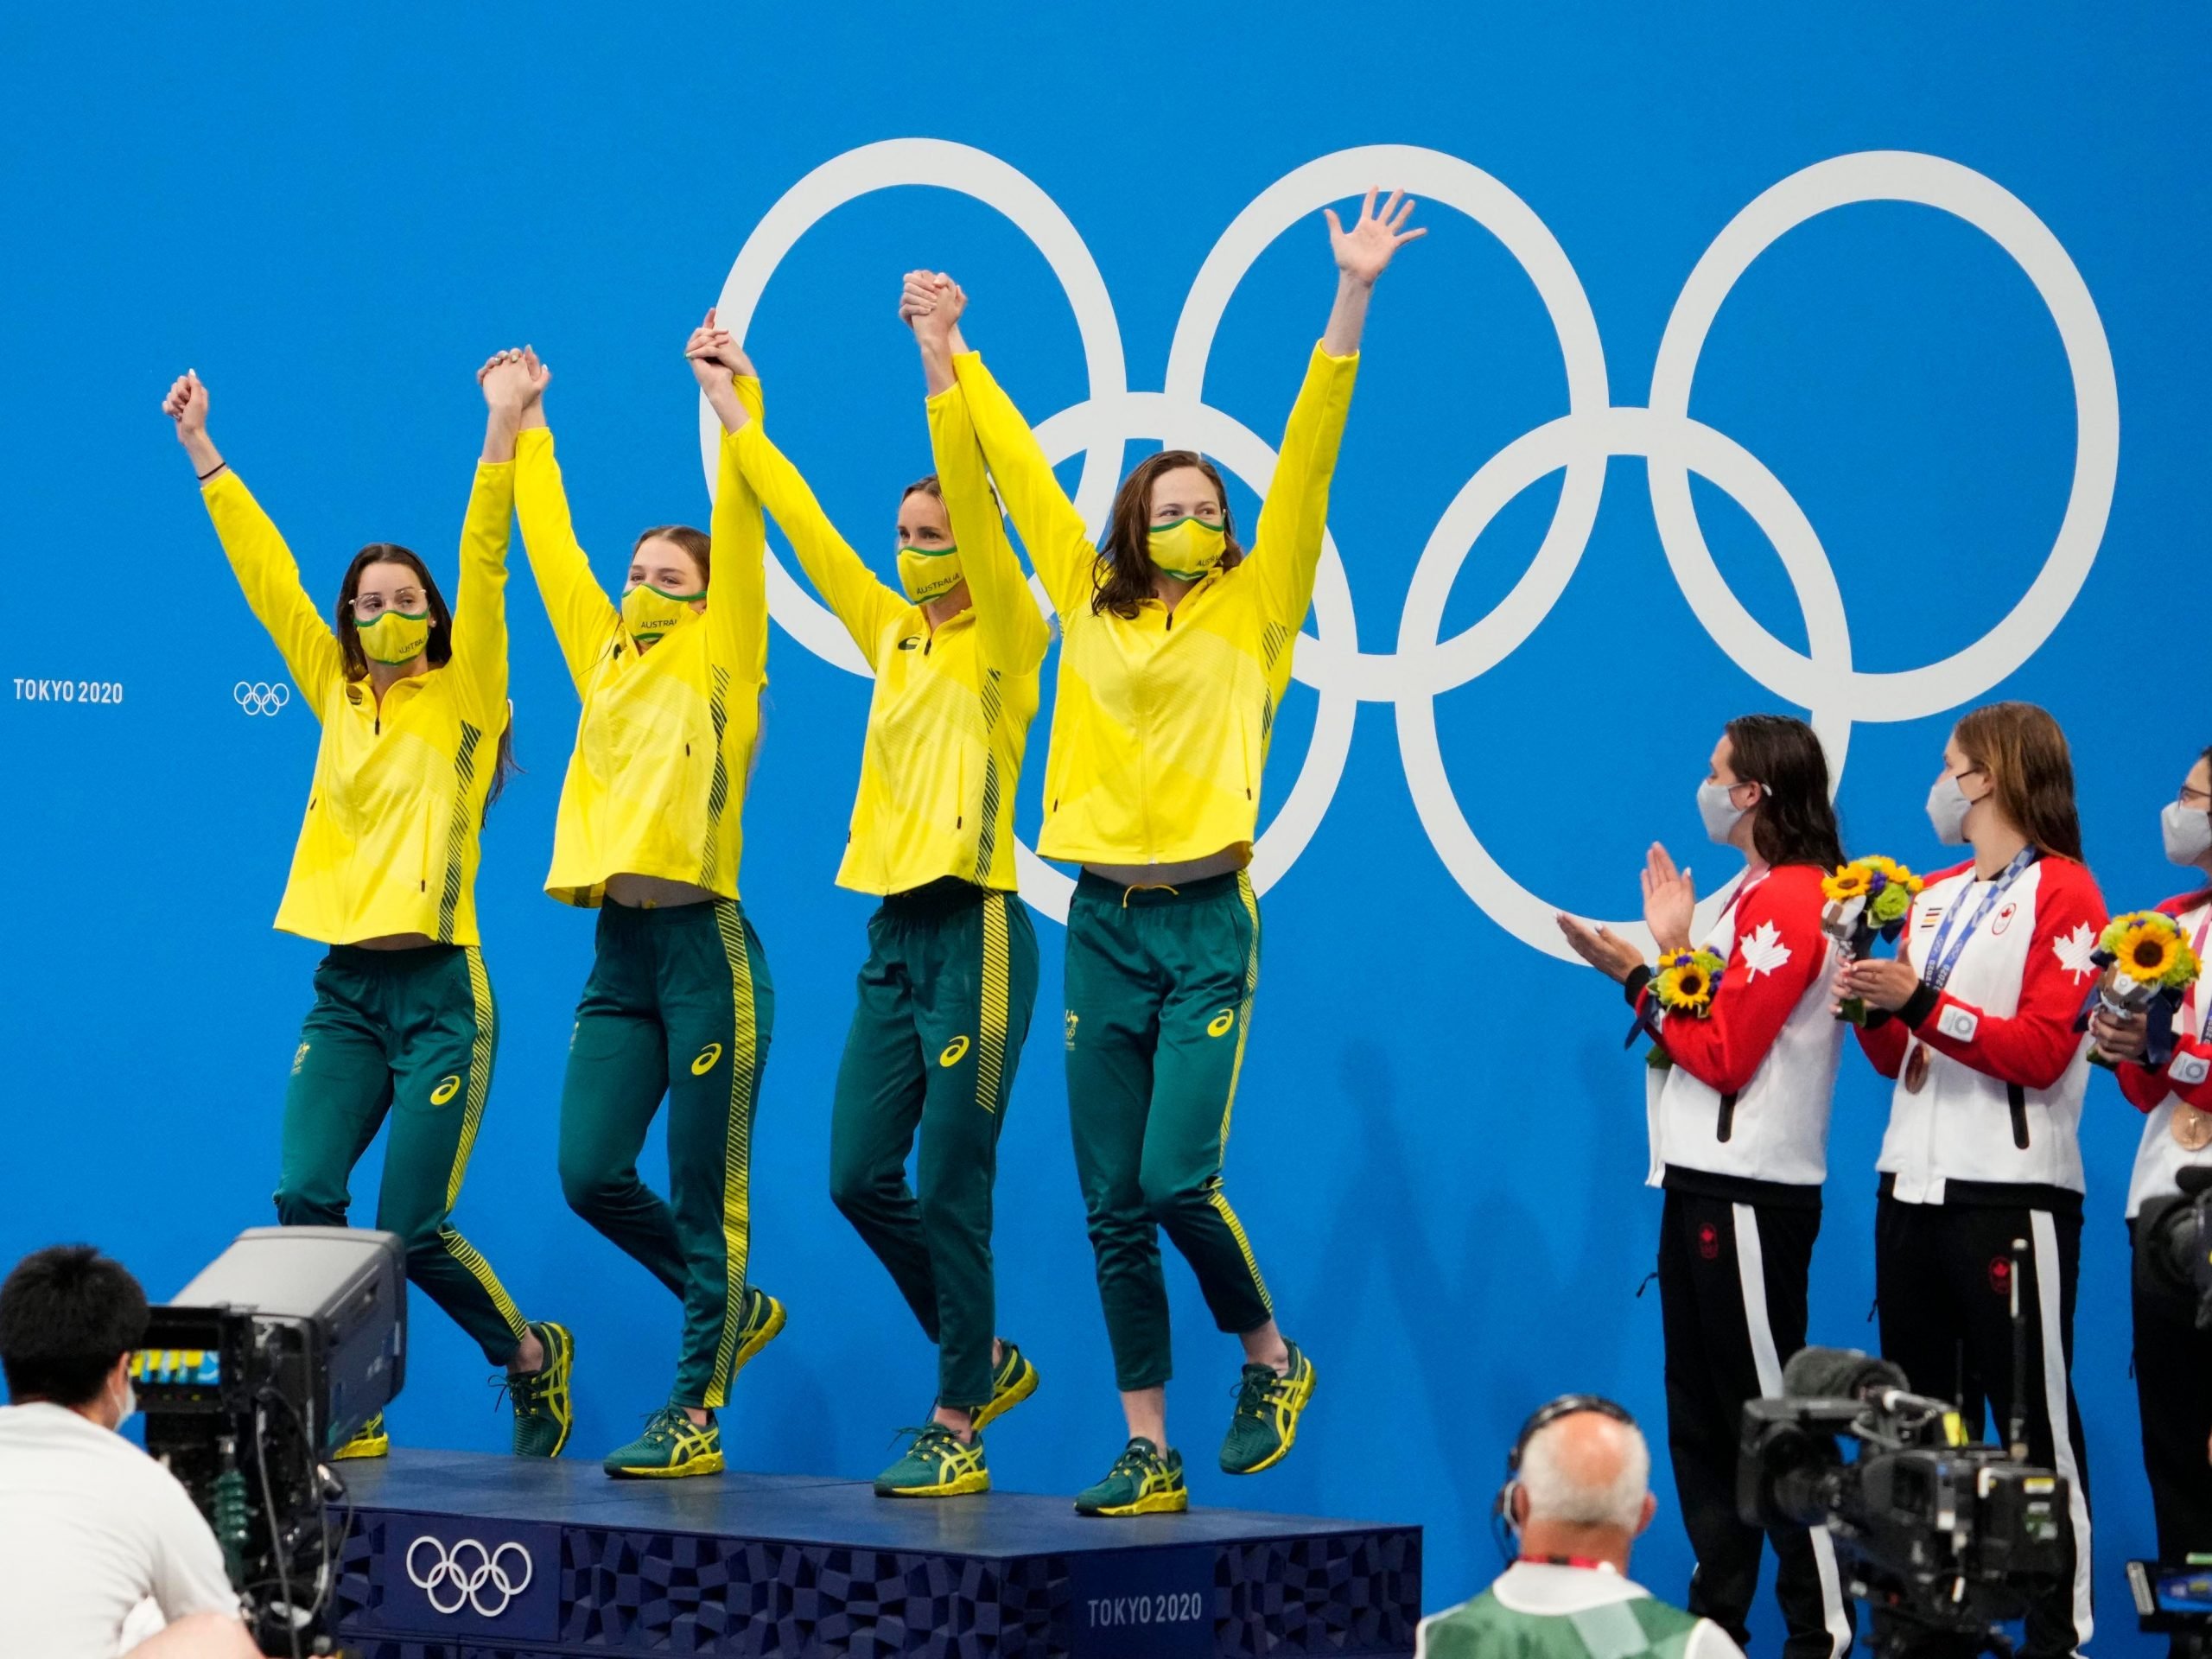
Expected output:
(260, 697)
(1673, 445)
(466, 1584)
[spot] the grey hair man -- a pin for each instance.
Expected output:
(1578, 1497)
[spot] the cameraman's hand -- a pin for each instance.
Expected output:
(2119, 1036)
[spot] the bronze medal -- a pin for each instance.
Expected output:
(2191, 1128)
(1916, 1070)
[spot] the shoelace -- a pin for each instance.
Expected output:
(524, 1390)
(1133, 1461)
(927, 1434)
(1255, 1393)
(669, 1425)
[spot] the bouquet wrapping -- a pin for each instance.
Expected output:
(1867, 900)
(2148, 967)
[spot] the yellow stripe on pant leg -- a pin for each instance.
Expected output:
(481, 1270)
(1215, 1196)
(990, 1039)
(480, 1090)
(737, 1147)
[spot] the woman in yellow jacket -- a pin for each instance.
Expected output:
(1176, 648)
(951, 974)
(412, 698)
(679, 1002)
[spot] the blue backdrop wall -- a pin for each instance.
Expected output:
(1946, 439)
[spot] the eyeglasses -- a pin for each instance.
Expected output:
(408, 601)
(2200, 798)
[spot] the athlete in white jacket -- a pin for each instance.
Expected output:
(2173, 1358)
(1738, 1119)
(1974, 1020)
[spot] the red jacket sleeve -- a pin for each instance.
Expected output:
(1778, 954)
(1885, 1044)
(2033, 1046)
(2144, 1087)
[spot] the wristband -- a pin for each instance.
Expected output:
(211, 471)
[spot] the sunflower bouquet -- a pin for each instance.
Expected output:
(2149, 966)
(1683, 985)
(1867, 900)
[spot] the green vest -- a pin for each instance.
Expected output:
(1486, 1629)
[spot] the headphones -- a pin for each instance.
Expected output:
(1567, 1405)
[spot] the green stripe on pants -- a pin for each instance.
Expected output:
(409, 1035)
(1159, 989)
(679, 1004)
(944, 1003)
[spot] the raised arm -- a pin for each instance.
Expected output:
(737, 577)
(1011, 629)
(850, 589)
(1286, 543)
(264, 567)
(479, 613)
(1051, 530)
(584, 618)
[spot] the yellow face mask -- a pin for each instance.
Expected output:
(394, 637)
(928, 572)
(649, 614)
(1187, 549)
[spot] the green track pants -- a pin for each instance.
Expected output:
(408, 1035)
(944, 1003)
(1160, 986)
(678, 1004)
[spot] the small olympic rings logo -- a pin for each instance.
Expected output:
(1822, 679)
(259, 696)
(465, 1573)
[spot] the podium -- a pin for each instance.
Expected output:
(461, 1555)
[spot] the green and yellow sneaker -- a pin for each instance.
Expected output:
(543, 1412)
(763, 1324)
(1265, 1426)
(1013, 1383)
(938, 1464)
(1141, 1482)
(369, 1441)
(672, 1446)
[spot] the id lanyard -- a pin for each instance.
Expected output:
(1736, 897)
(2189, 1017)
(1941, 960)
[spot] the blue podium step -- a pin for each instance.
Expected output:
(460, 1555)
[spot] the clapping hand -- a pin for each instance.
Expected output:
(1601, 947)
(1669, 900)
(1364, 252)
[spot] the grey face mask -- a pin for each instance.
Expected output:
(2187, 833)
(1720, 815)
(1948, 807)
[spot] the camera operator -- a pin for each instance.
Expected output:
(1577, 1496)
(2173, 1358)
(90, 1526)
(1976, 1022)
